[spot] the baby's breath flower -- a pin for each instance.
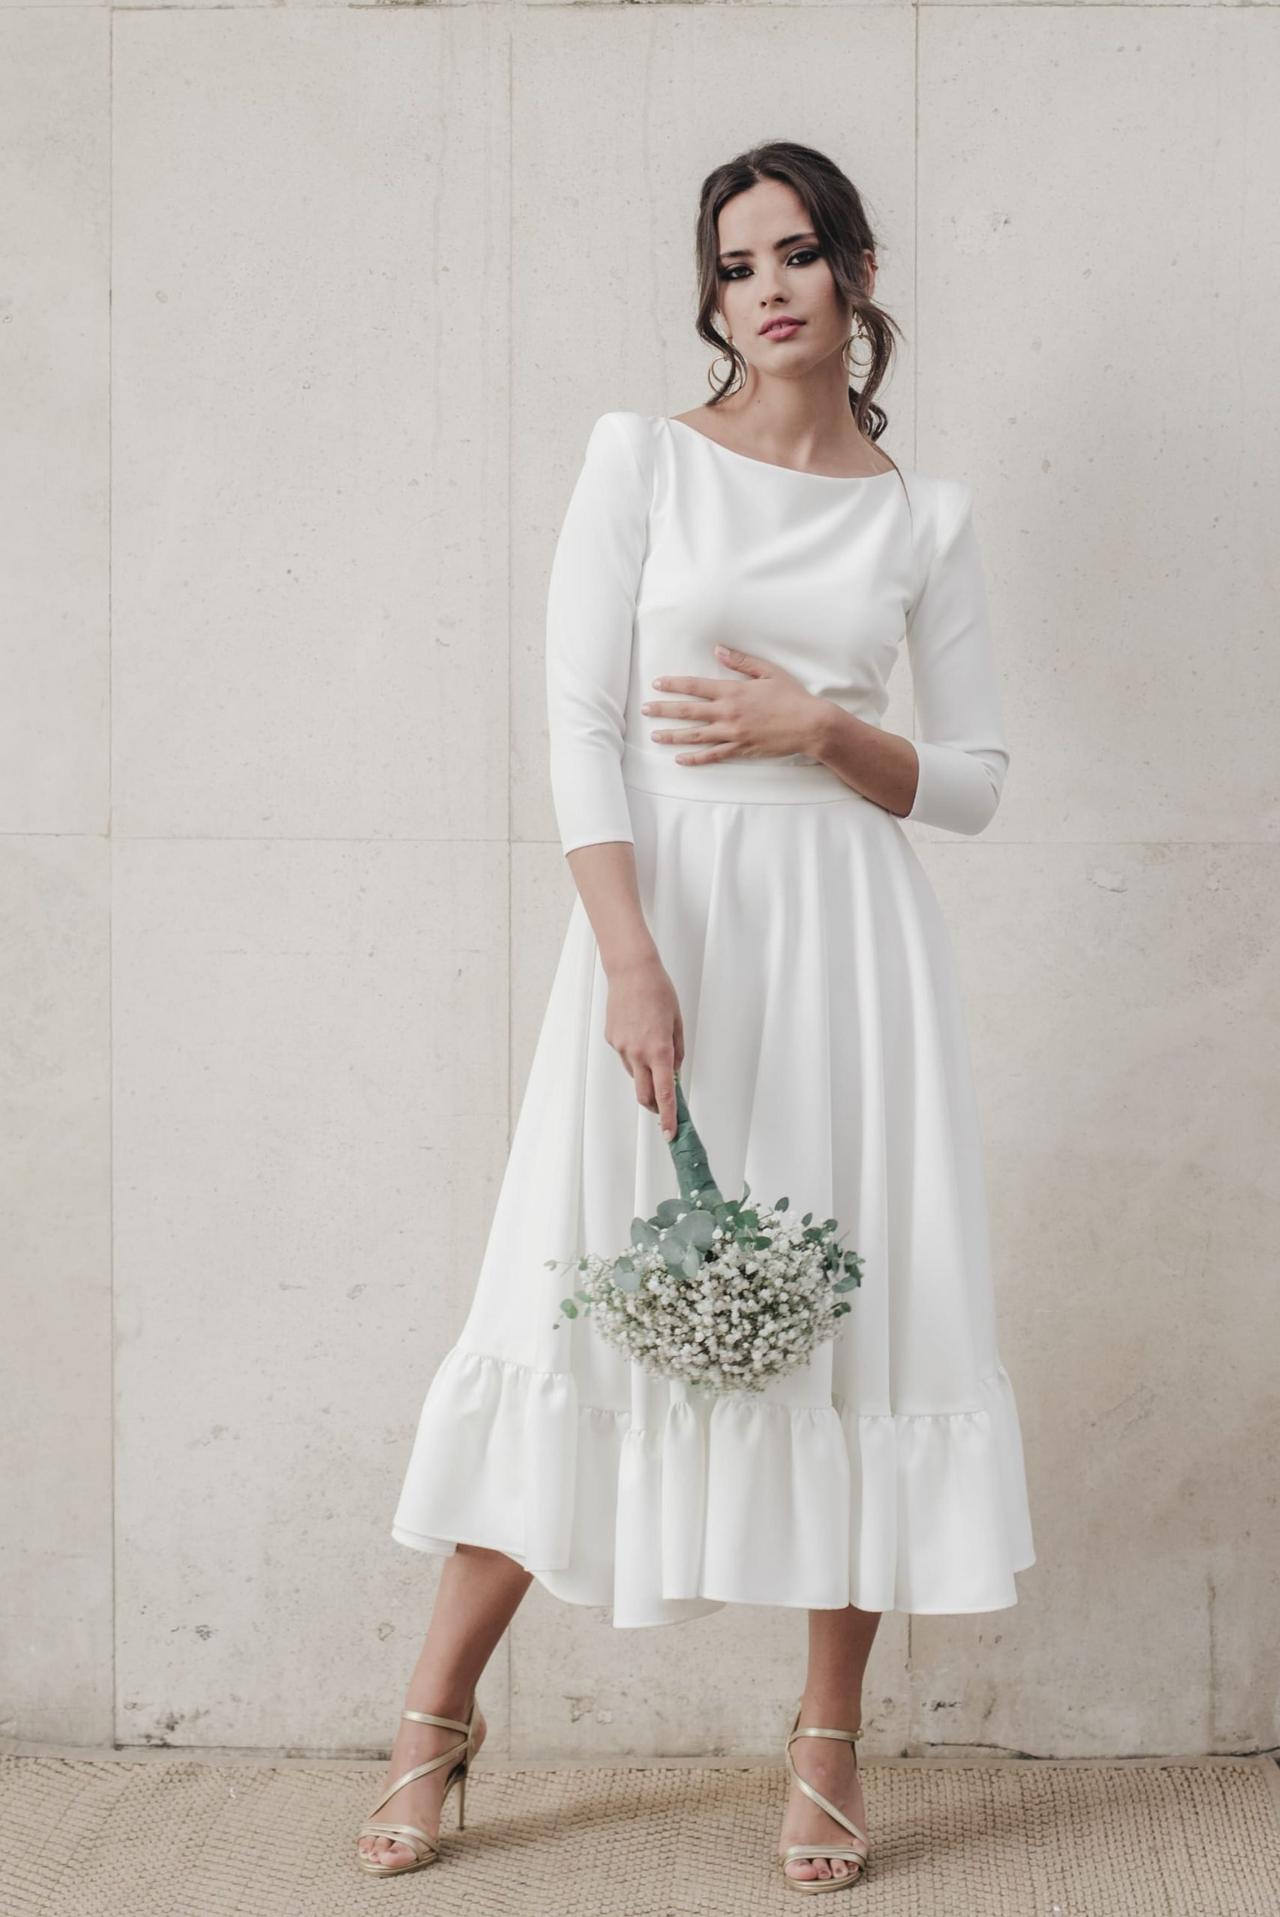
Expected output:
(739, 1320)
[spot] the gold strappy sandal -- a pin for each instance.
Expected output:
(845, 1851)
(425, 1849)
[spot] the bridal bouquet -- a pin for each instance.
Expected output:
(713, 1290)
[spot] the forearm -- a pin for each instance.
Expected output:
(605, 875)
(882, 766)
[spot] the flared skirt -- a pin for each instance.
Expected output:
(826, 1059)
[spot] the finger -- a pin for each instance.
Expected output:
(706, 717)
(709, 734)
(688, 707)
(705, 736)
(664, 1079)
(699, 688)
(706, 758)
(644, 1087)
(748, 662)
(681, 738)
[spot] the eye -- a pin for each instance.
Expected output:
(804, 254)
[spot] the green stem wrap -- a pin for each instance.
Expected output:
(697, 1185)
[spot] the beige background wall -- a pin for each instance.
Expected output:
(306, 313)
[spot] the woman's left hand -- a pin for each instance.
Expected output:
(764, 716)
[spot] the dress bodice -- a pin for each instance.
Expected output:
(672, 544)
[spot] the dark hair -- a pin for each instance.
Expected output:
(839, 219)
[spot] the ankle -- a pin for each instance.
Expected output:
(835, 1712)
(439, 1703)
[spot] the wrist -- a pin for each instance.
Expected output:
(632, 960)
(824, 727)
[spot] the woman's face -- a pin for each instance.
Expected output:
(770, 263)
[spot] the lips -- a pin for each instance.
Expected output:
(784, 324)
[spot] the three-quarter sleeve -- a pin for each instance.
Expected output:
(959, 739)
(591, 600)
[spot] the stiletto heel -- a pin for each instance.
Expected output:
(845, 1851)
(425, 1849)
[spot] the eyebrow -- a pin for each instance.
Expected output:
(745, 252)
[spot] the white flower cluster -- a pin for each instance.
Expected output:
(750, 1313)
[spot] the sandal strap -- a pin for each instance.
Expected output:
(419, 1770)
(445, 1723)
(832, 1810)
(818, 1730)
(850, 1855)
(402, 1830)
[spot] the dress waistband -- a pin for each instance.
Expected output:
(766, 781)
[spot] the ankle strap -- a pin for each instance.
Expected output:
(814, 1730)
(445, 1723)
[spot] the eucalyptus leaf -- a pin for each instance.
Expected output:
(568, 1307)
(700, 1228)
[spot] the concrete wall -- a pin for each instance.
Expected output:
(306, 313)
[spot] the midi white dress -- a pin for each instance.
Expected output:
(826, 1059)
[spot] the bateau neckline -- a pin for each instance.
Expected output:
(773, 466)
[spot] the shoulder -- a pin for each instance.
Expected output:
(942, 502)
(941, 508)
(621, 438)
(941, 511)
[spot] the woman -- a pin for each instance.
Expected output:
(728, 596)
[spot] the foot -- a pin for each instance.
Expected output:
(831, 1765)
(419, 1802)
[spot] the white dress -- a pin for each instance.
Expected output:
(826, 1059)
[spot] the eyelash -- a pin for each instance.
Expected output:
(734, 272)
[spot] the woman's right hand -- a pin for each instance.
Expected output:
(643, 1025)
